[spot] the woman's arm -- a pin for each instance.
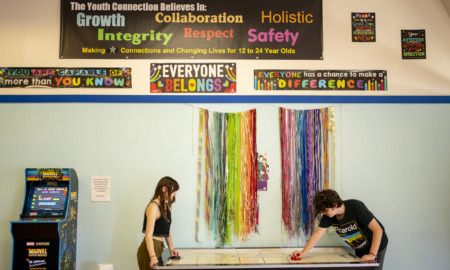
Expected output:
(153, 214)
(172, 250)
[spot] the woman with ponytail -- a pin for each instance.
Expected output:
(157, 220)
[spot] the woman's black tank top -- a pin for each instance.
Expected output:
(162, 227)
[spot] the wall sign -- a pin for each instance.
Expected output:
(413, 44)
(65, 77)
(363, 27)
(204, 29)
(200, 78)
(361, 80)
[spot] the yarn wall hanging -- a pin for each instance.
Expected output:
(305, 165)
(231, 207)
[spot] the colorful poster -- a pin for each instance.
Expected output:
(65, 77)
(413, 44)
(199, 29)
(363, 27)
(263, 172)
(201, 78)
(361, 80)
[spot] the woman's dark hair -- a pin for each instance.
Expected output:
(327, 198)
(171, 186)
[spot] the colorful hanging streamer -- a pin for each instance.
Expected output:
(231, 206)
(201, 128)
(305, 166)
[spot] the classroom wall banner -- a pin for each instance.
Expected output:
(65, 77)
(363, 27)
(201, 29)
(413, 44)
(201, 78)
(360, 80)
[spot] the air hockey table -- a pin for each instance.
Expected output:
(266, 258)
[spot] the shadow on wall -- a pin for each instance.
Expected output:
(89, 265)
(125, 245)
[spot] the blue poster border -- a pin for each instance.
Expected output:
(220, 99)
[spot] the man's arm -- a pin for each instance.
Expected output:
(315, 237)
(377, 231)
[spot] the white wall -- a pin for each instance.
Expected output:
(391, 156)
(396, 158)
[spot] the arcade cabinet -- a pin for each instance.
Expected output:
(46, 235)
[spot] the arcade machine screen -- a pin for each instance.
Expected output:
(46, 202)
(46, 194)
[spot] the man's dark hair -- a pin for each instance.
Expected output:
(326, 199)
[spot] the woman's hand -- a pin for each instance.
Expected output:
(174, 252)
(153, 261)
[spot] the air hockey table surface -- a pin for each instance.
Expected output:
(266, 258)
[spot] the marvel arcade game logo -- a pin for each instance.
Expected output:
(50, 174)
(37, 258)
(33, 264)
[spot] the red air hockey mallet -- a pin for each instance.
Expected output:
(296, 256)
